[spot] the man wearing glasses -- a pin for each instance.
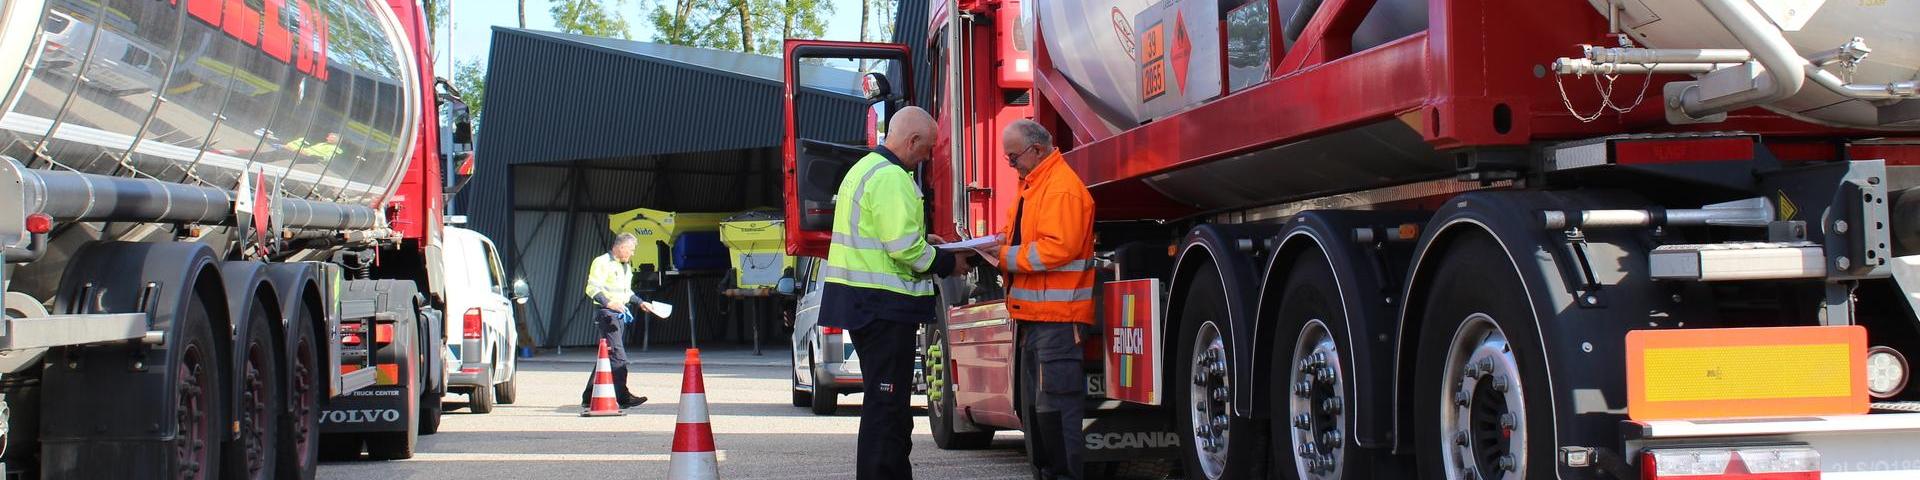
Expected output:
(1047, 255)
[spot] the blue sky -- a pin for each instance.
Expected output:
(474, 21)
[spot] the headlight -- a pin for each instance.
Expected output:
(1886, 372)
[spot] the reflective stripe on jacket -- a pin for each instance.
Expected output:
(1050, 270)
(608, 279)
(879, 239)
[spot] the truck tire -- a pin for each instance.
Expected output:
(1204, 339)
(480, 400)
(300, 422)
(340, 447)
(257, 416)
(825, 400)
(940, 414)
(433, 374)
(1309, 369)
(196, 389)
(430, 410)
(397, 298)
(1477, 337)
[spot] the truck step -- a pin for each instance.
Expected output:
(1738, 261)
(358, 379)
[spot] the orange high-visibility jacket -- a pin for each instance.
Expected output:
(1047, 251)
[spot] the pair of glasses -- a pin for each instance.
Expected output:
(1015, 156)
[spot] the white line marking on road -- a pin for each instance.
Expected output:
(546, 457)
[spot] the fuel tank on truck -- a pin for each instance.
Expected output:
(320, 96)
(1889, 28)
(1137, 61)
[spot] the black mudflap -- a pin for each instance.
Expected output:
(369, 410)
(1129, 432)
(98, 418)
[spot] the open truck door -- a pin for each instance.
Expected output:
(816, 156)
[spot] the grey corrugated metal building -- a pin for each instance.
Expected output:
(576, 128)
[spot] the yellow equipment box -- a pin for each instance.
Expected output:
(757, 244)
(657, 230)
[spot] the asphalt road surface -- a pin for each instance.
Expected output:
(758, 432)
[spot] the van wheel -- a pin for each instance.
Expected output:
(825, 400)
(801, 398)
(480, 400)
(505, 392)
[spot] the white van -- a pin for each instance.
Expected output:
(480, 325)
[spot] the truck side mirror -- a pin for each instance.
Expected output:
(785, 286)
(463, 132)
(877, 87)
(520, 291)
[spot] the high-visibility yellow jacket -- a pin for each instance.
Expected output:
(608, 279)
(1047, 250)
(323, 150)
(879, 238)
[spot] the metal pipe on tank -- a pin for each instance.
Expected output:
(1665, 55)
(74, 196)
(1785, 70)
(1582, 66)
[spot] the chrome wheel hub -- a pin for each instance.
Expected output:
(1211, 400)
(1484, 417)
(1315, 407)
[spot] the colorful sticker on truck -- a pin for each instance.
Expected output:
(1132, 339)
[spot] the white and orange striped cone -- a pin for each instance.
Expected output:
(693, 454)
(604, 404)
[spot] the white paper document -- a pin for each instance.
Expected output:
(988, 247)
(660, 309)
(978, 244)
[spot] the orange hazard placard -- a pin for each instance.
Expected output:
(1746, 372)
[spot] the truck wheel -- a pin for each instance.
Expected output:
(196, 388)
(432, 392)
(1219, 444)
(825, 400)
(339, 447)
(480, 400)
(300, 422)
(940, 414)
(257, 416)
(1312, 384)
(396, 298)
(430, 410)
(1481, 399)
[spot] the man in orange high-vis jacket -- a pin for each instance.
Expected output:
(1047, 255)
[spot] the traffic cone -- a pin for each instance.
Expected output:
(604, 405)
(693, 455)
